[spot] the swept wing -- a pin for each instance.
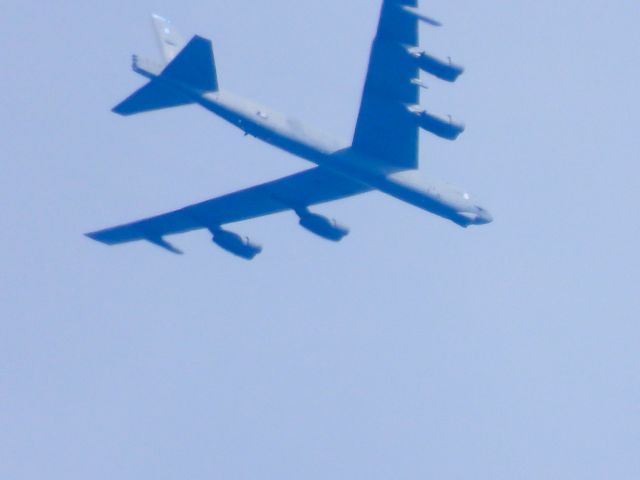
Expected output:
(384, 129)
(295, 192)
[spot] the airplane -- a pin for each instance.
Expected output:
(383, 155)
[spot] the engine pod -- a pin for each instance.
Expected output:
(442, 69)
(443, 127)
(235, 244)
(323, 227)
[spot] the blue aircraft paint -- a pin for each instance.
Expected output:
(383, 155)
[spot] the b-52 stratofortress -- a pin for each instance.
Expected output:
(383, 155)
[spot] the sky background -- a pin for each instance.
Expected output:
(412, 350)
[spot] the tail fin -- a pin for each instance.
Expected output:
(191, 70)
(169, 39)
(194, 66)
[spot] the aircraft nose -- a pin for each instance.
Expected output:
(484, 217)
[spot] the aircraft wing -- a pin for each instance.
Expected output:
(384, 129)
(298, 191)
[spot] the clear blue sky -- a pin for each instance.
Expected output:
(414, 349)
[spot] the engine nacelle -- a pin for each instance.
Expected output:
(234, 243)
(443, 69)
(443, 127)
(323, 227)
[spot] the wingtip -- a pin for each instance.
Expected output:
(96, 237)
(92, 236)
(121, 110)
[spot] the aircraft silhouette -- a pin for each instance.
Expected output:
(383, 155)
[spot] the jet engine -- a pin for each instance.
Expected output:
(443, 127)
(323, 227)
(443, 69)
(235, 244)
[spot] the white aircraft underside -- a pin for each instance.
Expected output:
(383, 155)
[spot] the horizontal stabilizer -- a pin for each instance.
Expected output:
(153, 96)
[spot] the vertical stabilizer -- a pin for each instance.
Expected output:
(194, 66)
(169, 39)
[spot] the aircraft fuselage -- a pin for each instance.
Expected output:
(293, 137)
